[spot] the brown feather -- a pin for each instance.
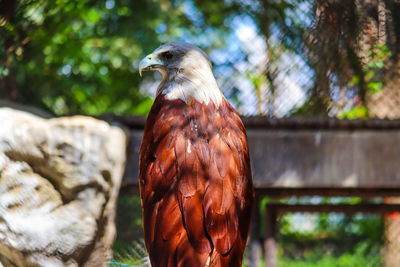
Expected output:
(195, 184)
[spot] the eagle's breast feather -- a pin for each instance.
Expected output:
(195, 175)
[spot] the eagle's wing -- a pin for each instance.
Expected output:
(195, 181)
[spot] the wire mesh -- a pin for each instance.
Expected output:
(314, 58)
(310, 58)
(391, 247)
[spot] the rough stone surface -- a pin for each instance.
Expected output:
(59, 181)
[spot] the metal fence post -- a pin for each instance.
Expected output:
(255, 248)
(270, 250)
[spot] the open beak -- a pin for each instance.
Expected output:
(150, 62)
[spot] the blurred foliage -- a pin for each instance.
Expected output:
(82, 56)
(70, 56)
(128, 221)
(361, 257)
(352, 48)
(357, 112)
(329, 239)
(333, 234)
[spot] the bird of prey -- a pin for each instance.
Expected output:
(194, 169)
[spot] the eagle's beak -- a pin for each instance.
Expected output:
(150, 62)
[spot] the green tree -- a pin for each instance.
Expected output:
(82, 56)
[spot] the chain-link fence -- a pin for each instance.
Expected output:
(310, 58)
(391, 246)
(266, 74)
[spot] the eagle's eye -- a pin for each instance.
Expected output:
(168, 55)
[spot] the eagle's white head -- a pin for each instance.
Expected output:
(187, 73)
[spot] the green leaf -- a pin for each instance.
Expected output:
(376, 64)
(369, 75)
(355, 79)
(359, 112)
(375, 87)
(93, 15)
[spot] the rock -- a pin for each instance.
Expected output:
(59, 182)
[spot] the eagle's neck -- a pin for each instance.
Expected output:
(197, 85)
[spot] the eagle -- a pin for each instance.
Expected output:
(195, 179)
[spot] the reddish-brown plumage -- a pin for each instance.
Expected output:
(195, 184)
